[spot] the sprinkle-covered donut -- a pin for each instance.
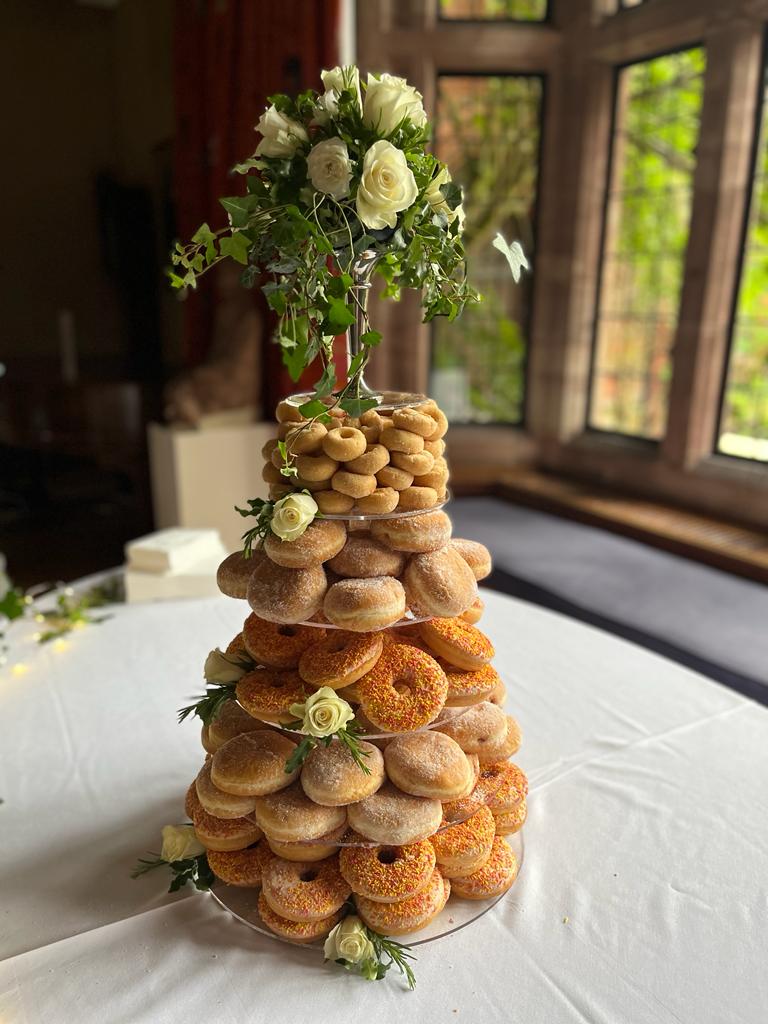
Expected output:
(241, 867)
(509, 822)
(462, 849)
(253, 764)
(365, 605)
(340, 658)
(295, 931)
(278, 644)
(459, 642)
(466, 688)
(331, 777)
(427, 532)
(304, 890)
(439, 582)
(321, 540)
(388, 874)
(511, 785)
(363, 556)
(344, 443)
(493, 878)
(404, 690)
(268, 694)
(409, 915)
(225, 834)
(286, 595)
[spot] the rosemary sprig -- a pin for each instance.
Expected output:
(396, 953)
(262, 511)
(300, 754)
(208, 707)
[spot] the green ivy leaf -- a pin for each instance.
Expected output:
(236, 246)
(370, 338)
(338, 318)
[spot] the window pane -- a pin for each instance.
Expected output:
(481, 10)
(744, 423)
(658, 106)
(488, 134)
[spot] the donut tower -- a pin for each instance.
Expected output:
(371, 610)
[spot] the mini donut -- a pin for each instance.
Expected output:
(300, 484)
(498, 694)
(331, 776)
(333, 503)
(321, 540)
(395, 818)
(441, 425)
(509, 822)
(304, 890)
(279, 594)
(216, 802)
(283, 429)
(363, 556)
(467, 688)
(508, 745)
(234, 572)
(414, 498)
(416, 463)
(364, 605)
(464, 848)
(405, 689)
(386, 421)
(409, 915)
(316, 467)
(475, 611)
(340, 659)
(459, 642)
(510, 786)
(276, 644)
(278, 491)
(477, 729)
(397, 479)
(436, 477)
(400, 440)
(439, 583)
(287, 412)
(225, 835)
(241, 867)
(428, 763)
(436, 448)
(268, 448)
(493, 878)
(356, 485)
(370, 425)
(476, 555)
(317, 849)
(295, 931)
(344, 443)
(414, 420)
(231, 720)
(374, 458)
(388, 874)
(271, 474)
(306, 439)
(253, 764)
(414, 533)
(380, 502)
(268, 693)
(289, 816)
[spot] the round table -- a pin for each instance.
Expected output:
(642, 897)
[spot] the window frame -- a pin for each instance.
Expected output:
(497, 21)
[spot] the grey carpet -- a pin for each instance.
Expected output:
(710, 620)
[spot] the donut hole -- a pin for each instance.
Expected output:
(286, 631)
(387, 855)
(309, 875)
(403, 689)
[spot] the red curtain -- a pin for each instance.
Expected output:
(229, 55)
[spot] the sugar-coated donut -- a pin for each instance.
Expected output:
(268, 693)
(304, 890)
(459, 642)
(205, 739)
(416, 463)
(397, 479)
(498, 694)
(414, 420)
(278, 644)
(331, 777)
(436, 477)
(436, 448)
(509, 822)
(241, 867)
(374, 458)
(414, 498)
(395, 818)
(287, 412)
(253, 764)
(462, 849)
(295, 931)
(409, 915)
(380, 502)
(388, 874)
(216, 802)
(466, 688)
(341, 658)
(364, 605)
(441, 425)
(316, 467)
(306, 439)
(316, 849)
(278, 491)
(363, 556)
(231, 720)
(476, 555)
(286, 595)
(404, 690)
(474, 613)
(400, 440)
(289, 816)
(478, 729)
(428, 763)
(439, 583)
(271, 474)
(356, 485)
(427, 532)
(370, 425)
(490, 780)
(493, 878)
(234, 572)
(333, 503)
(505, 747)
(321, 540)
(344, 443)
(300, 484)
(269, 447)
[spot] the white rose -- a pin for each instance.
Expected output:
(180, 843)
(436, 199)
(292, 515)
(324, 713)
(348, 941)
(388, 100)
(386, 187)
(282, 136)
(335, 82)
(223, 668)
(329, 167)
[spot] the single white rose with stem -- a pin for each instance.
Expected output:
(281, 135)
(292, 515)
(221, 668)
(323, 713)
(180, 843)
(387, 186)
(349, 941)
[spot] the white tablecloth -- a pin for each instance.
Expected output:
(642, 897)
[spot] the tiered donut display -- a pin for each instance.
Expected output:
(377, 602)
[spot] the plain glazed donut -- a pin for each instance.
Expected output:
(216, 802)
(474, 613)
(295, 931)
(286, 595)
(409, 915)
(234, 572)
(253, 764)
(363, 556)
(414, 498)
(344, 443)
(374, 458)
(333, 503)
(268, 693)
(397, 479)
(405, 689)
(321, 540)
(459, 642)
(388, 874)
(332, 778)
(289, 816)
(428, 763)
(417, 463)
(466, 688)
(275, 644)
(231, 720)
(304, 890)
(464, 848)
(476, 555)
(400, 440)
(380, 502)
(306, 439)
(439, 583)
(493, 878)
(355, 485)
(414, 420)
(341, 658)
(316, 467)
(504, 748)
(318, 849)
(509, 822)
(428, 532)
(241, 867)
(478, 729)
(395, 818)
(364, 605)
